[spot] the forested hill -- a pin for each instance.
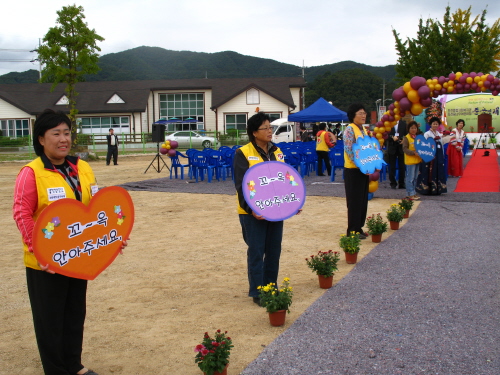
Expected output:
(158, 63)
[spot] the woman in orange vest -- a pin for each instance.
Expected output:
(355, 182)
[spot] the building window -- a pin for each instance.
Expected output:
(273, 116)
(91, 124)
(183, 106)
(115, 99)
(253, 96)
(236, 121)
(63, 100)
(15, 128)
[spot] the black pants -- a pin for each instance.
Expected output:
(356, 195)
(112, 150)
(323, 155)
(392, 168)
(58, 305)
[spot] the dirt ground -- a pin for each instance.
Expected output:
(183, 273)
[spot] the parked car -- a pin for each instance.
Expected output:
(191, 139)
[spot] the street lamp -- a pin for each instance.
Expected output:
(377, 107)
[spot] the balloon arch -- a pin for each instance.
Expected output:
(416, 95)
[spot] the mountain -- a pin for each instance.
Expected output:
(143, 63)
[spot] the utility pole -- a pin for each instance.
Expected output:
(383, 93)
(303, 89)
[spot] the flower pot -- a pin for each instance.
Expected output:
(407, 214)
(224, 372)
(351, 258)
(377, 238)
(277, 318)
(394, 225)
(325, 282)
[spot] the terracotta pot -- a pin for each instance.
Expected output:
(351, 258)
(325, 282)
(377, 238)
(394, 225)
(224, 372)
(277, 318)
(407, 214)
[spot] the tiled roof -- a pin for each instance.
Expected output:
(92, 97)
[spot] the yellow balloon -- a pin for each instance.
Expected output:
(480, 83)
(396, 111)
(413, 96)
(428, 82)
(381, 141)
(164, 145)
(397, 117)
(378, 135)
(168, 147)
(393, 124)
(431, 86)
(458, 75)
(387, 124)
(437, 86)
(483, 77)
(434, 81)
(416, 109)
(483, 89)
(450, 89)
(468, 80)
(477, 79)
(445, 85)
(373, 186)
(407, 87)
(396, 105)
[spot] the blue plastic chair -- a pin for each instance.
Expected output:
(293, 158)
(336, 155)
(176, 164)
(465, 149)
(200, 166)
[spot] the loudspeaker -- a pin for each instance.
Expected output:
(158, 133)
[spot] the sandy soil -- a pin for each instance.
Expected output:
(183, 273)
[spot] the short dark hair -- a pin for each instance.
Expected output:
(353, 108)
(111, 129)
(48, 119)
(322, 126)
(254, 123)
(410, 124)
(460, 120)
(435, 119)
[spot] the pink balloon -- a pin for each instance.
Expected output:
(494, 93)
(424, 92)
(462, 79)
(375, 176)
(492, 87)
(398, 94)
(496, 81)
(404, 104)
(417, 82)
(466, 87)
(174, 144)
(473, 74)
(465, 75)
(480, 74)
(426, 102)
(385, 135)
(380, 123)
(391, 118)
(171, 152)
(487, 83)
(459, 86)
(163, 151)
(436, 93)
(452, 76)
(391, 106)
(443, 91)
(490, 78)
(473, 86)
(385, 118)
(441, 80)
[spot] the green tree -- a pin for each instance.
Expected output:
(458, 44)
(68, 52)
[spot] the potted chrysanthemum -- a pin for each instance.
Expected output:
(277, 301)
(407, 204)
(324, 264)
(350, 245)
(376, 226)
(212, 355)
(395, 215)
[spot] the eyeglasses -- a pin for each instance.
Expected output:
(361, 113)
(265, 129)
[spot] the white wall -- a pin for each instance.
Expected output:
(10, 112)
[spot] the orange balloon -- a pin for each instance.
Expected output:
(373, 186)
(416, 109)
(483, 89)
(413, 96)
(407, 87)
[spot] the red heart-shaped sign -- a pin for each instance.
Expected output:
(81, 241)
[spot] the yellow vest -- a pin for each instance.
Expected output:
(348, 163)
(321, 143)
(46, 179)
(253, 157)
(411, 159)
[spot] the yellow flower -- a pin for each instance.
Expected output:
(286, 279)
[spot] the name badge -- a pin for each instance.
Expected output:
(253, 158)
(56, 193)
(94, 189)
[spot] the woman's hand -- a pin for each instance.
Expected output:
(258, 217)
(46, 268)
(124, 244)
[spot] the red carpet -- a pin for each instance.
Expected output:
(481, 174)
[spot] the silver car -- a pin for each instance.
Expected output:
(191, 139)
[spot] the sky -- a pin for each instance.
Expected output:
(302, 33)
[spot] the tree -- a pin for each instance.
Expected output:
(458, 44)
(68, 52)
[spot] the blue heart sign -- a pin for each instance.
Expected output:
(368, 156)
(426, 148)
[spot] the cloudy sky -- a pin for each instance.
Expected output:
(312, 33)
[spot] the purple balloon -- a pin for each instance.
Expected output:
(398, 94)
(417, 82)
(452, 76)
(462, 79)
(426, 102)
(404, 104)
(174, 144)
(494, 93)
(459, 86)
(375, 176)
(441, 80)
(163, 151)
(391, 118)
(473, 86)
(171, 152)
(466, 87)
(472, 74)
(465, 75)
(391, 106)
(385, 118)
(487, 84)
(424, 92)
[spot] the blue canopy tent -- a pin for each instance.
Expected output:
(319, 111)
